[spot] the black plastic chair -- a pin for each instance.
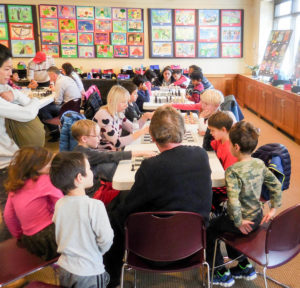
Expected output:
(270, 246)
(164, 242)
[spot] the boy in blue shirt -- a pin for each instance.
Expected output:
(143, 93)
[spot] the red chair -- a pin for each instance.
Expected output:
(164, 242)
(270, 246)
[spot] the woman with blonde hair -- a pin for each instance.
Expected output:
(112, 121)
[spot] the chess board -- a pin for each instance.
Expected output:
(169, 99)
(41, 93)
(188, 137)
(136, 163)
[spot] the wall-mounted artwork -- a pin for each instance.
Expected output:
(185, 49)
(48, 11)
(3, 31)
(184, 33)
(103, 26)
(118, 38)
(105, 51)
(136, 51)
(209, 34)
(19, 13)
(68, 38)
(68, 51)
(135, 14)
(86, 51)
(50, 37)
(85, 12)
(120, 26)
(101, 38)
(19, 31)
(67, 25)
(52, 50)
(85, 26)
(184, 17)
(103, 13)
(162, 49)
(161, 16)
(135, 38)
(121, 51)
(231, 17)
(23, 48)
(5, 43)
(208, 17)
(231, 50)
(85, 38)
(161, 33)
(48, 24)
(208, 50)
(119, 14)
(231, 34)
(2, 13)
(135, 26)
(66, 12)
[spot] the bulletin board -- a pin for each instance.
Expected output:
(91, 32)
(195, 33)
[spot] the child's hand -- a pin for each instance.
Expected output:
(205, 113)
(144, 87)
(201, 133)
(246, 228)
(269, 216)
(148, 115)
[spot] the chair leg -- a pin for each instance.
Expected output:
(266, 277)
(134, 278)
(208, 276)
(122, 275)
(213, 265)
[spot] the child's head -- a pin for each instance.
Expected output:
(167, 73)
(27, 163)
(67, 68)
(211, 99)
(196, 77)
(117, 100)
(149, 75)
(71, 170)
(15, 75)
(139, 81)
(132, 89)
(193, 68)
(87, 133)
(177, 74)
(243, 137)
(219, 125)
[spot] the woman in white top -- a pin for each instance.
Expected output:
(68, 70)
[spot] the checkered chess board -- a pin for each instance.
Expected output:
(188, 137)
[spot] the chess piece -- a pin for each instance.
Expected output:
(132, 167)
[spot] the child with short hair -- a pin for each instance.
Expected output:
(244, 181)
(180, 79)
(143, 93)
(196, 78)
(82, 228)
(149, 77)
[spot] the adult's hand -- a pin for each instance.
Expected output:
(8, 96)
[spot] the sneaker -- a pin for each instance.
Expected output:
(224, 280)
(240, 272)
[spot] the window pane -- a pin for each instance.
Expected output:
(284, 23)
(284, 8)
(296, 7)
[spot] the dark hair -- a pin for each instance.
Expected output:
(167, 68)
(245, 135)
(149, 75)
(138, 80)
(197, 75)
(25, 165)
(5, 54)
(220, 119)
(13, 71)
(53, 69)
(64, 169)
(129, 86)
(68, 68)
(195, 68)
(177, 71)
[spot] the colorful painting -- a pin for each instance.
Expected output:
(66, 12)
(5, 43)
(101, 38)
(119, 14)
(121, 51)
(85, 38)
(161, 16)
(49, 24)
(185, 49)
(85, 12)
(134, 14)
(86, 51)
(231, 17)
(23, 48)
(68, 38)
(184, 17)
(209, 34)
(118, 38)
(48, 11)
(162, 49)
(208, 50)
(2, 13)
(85, 25)
(136, 51)
(161, 33)
(3, 31)
(135, 26)
(50, 37)
(103, 26)
(19, 14)
(19, 31)
(105, 51)
(231, 50)
(51, 50)
(135, 38)
(184, 33)
(103, 13)
(231, 34)
(67, 25)
(68, 51)
(120, 26)
(208, 17)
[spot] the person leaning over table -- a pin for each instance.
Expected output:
(16, 106)
(178, 179)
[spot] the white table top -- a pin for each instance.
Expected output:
(44, 100)
(153, 106)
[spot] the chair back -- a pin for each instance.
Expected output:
(283, 234)
(165, 236)
(73, 105)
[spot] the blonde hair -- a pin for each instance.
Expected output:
(116, 94)
(212, 96)
(83, 127)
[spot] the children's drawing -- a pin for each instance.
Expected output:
(68, 38)
(208, 34)
(231, 17)
(120, 51)
(85, 25)
(50, 38)
(119, 13)
(208, 50)
(2, 13)
(184, 17)
(118, 38)
(161, 16)
(49, 24)
(48, 11)
(103, 26)
(105, 51)
(231, 50)
(85, 38)
(161, 33)
(185, 49)
(3, 31)
(101, 38)
(19, 14)
(67, 25)
(134, 14)
(66, 12)
(86, 51)
(68, 51)
(52, 50)
(162, 49)
(231, 34)
(136, 51)
(23, 48)
(102, 12)
(120, 26)
(135, 26)
(208, 17)
(85, 12)
(135, 38)
(19, 31)
(184, 33)
(5, 43)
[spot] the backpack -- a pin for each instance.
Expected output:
(93, 102)
(230, 104)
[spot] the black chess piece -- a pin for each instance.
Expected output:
(132, 167)
(155, 99)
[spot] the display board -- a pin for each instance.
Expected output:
(195, 33)
(297, 63)
(276, 47)
(89, 32)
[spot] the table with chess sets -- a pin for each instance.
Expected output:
(45, 95)
(188, 138)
